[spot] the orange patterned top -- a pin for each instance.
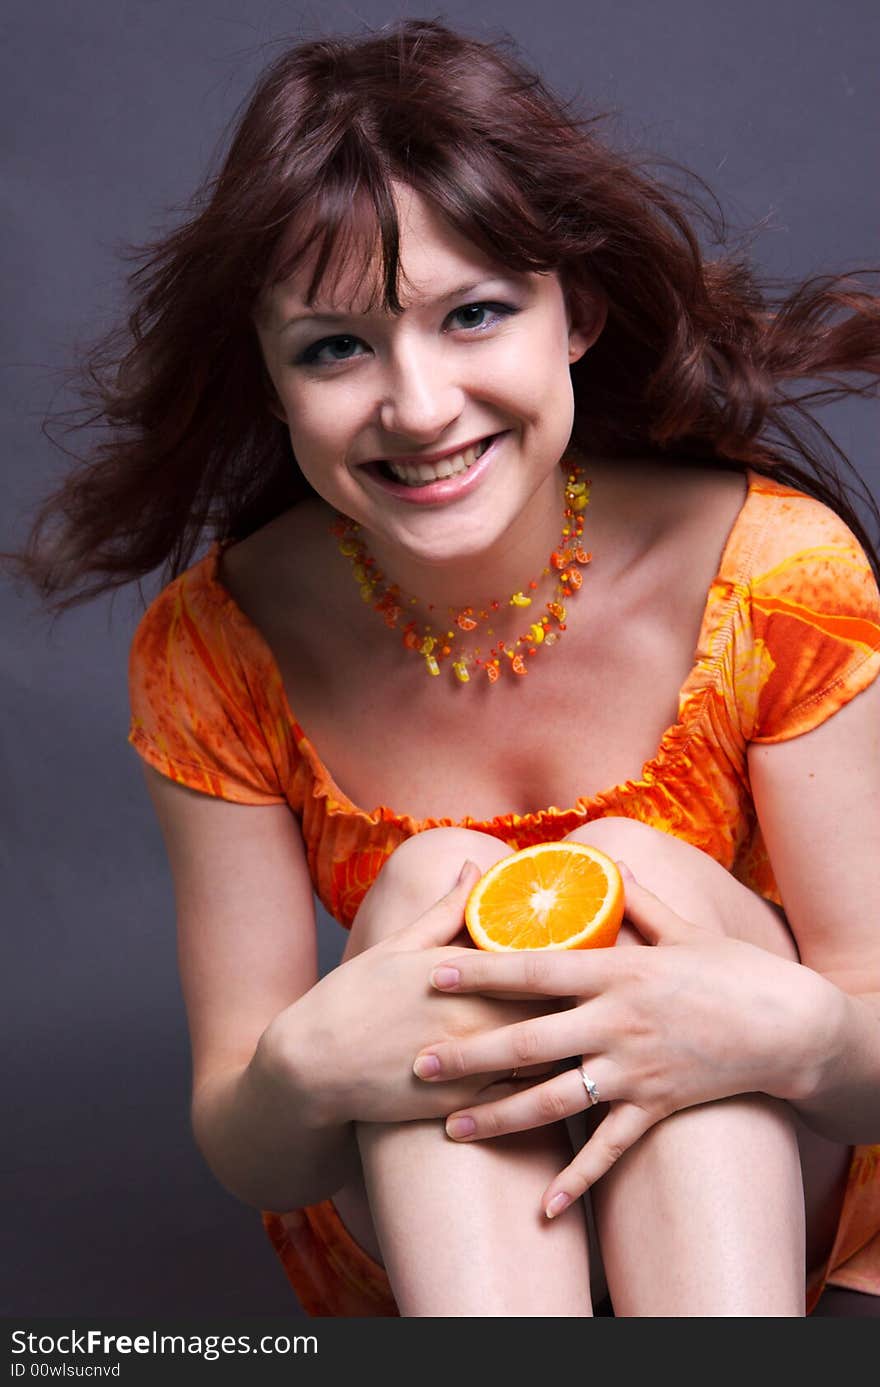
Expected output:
(790, 633)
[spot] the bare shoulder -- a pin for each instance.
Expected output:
(664, 520)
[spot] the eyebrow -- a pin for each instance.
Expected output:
(459, 292)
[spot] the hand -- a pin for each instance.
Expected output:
(699, 1017)
(344, 1049)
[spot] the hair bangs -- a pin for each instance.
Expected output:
(346, 235)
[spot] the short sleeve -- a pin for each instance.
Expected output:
(194, 714)
(814, 616)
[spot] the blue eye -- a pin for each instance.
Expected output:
(312, 356)
(496, 310)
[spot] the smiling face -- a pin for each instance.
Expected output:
(480, 352)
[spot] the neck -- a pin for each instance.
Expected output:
(483, 587)
(494, 573)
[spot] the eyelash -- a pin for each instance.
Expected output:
(310, 356)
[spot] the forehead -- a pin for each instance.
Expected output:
(433, 257)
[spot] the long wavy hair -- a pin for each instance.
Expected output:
(698, 360)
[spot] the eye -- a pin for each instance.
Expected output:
(314, 355)
(495, 310)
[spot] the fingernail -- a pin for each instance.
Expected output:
(625, 871)
(467, 866)
(445, 977)
(557, 1204)
(426, 1067)
(461, 1127)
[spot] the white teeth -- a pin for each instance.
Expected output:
(417, 474)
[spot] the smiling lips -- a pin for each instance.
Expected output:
(422, 473)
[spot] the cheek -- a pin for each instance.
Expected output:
(319, 422)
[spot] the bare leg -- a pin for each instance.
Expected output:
(460, 1226)
(706, 1214)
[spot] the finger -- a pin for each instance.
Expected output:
(530, 972)
(535, 1106)
(443, 920)
(537, 1040)
(620, 1130)
(655, 921)
(516, 1081)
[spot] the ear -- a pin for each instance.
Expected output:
(587, 312)
(271, 395)
(259, 324)
(275, 407)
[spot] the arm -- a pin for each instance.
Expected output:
(818, 803)
(285, 1063)
(247, 951)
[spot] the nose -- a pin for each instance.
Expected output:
(421, 399)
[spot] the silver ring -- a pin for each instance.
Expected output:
(592, 1091)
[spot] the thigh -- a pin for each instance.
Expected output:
(416, 875)
(700, 889)
(421, 870)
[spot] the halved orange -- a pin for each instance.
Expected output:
(550, 896)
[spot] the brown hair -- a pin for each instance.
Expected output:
(697, 360)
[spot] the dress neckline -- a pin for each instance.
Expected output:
(691, 699)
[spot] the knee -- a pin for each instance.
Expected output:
(691, 882)
(682, 876)
(425, 866)
(418, 872)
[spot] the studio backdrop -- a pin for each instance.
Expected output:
(113, 112)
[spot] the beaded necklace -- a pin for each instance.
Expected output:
(437, 644)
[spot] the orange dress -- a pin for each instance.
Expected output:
(790, 633)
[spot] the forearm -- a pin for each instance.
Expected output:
(266, 1148)
(841, 1101)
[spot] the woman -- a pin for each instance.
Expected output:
(428, 347)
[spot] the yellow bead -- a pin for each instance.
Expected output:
(432, 665)
(579, 503)
(461, 672)
(537, 633)
(367, 592)
(519, 599)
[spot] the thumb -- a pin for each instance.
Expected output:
(656, 923)
(442, 921)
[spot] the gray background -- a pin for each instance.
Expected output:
(112, 111)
